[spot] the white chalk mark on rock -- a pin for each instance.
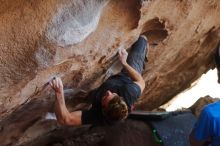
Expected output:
(74, 22)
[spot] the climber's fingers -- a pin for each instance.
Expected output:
(123, 54)
(56, 84)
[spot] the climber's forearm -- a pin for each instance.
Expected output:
(63, 115)
(60, 108)
(135, 76)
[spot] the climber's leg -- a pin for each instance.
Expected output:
(137, 55)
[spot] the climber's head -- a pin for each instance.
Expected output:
(113, 106)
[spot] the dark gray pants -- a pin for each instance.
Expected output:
(136, 56)
(136, 59)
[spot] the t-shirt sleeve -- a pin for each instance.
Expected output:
(131, 93)
(203, 127)
(91, 116)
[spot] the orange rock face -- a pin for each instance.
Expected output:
(78, 40)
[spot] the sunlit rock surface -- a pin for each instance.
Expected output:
(78, 40)
(197, 107)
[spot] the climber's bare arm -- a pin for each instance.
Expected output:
(63, 115)
(194, 142)
(135, 76)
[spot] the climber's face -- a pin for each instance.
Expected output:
(107, 98)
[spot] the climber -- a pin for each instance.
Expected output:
(114, 99)
(207, 129)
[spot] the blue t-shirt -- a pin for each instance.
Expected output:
(208, 124)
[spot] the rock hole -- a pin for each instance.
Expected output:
(155, 31)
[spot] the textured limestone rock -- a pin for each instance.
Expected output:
(192, 37)
(197, 107)
(78, 40)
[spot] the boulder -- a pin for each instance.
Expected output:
(77, 40)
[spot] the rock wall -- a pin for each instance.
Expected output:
(78, 40)
(187, 51)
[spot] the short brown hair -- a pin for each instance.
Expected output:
(116, 109)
